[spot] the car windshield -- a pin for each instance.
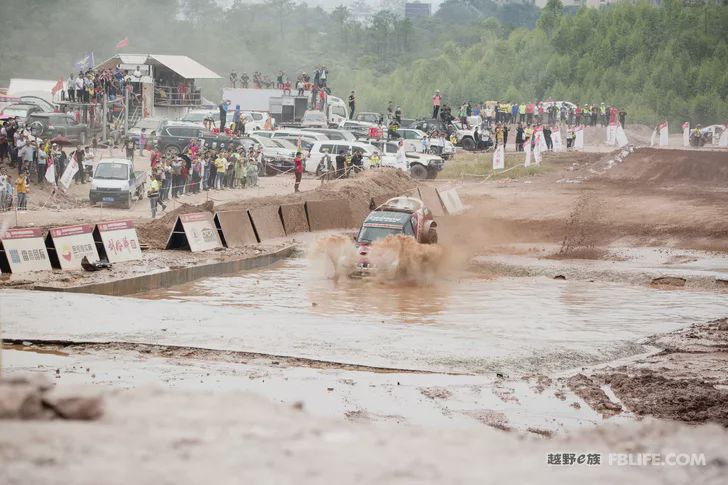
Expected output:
(194, 117)
(283, 143)
(314, 115)
(371, 233)
(16, 111)
(112, 171)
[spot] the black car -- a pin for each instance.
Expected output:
(48, 125)
(430, 125)
(172, 137)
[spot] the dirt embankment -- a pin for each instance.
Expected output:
(358, 191)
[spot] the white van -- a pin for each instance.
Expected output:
(333, 148)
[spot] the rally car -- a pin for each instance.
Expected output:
(400, 215)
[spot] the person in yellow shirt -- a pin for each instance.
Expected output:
(220, 167)
(21, 188)
(153, 194)
(374, 160)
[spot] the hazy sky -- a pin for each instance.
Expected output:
(330, 4)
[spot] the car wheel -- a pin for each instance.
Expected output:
(432, 236)
(418, 172)
(432, 174)
(37, 128)
(468, 144)
(172, 150)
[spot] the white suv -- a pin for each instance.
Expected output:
(333, 148)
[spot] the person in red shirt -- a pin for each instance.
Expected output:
(530, 107)
(298, 171)
(156, 157)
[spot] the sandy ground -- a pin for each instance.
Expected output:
(152, 437)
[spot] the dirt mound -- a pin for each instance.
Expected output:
(651, 166)
(690, 400)
(156, 233)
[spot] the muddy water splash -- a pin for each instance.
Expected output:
(395, 258)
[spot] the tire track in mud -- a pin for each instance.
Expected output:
(198, 353)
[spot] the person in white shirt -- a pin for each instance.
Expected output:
(79, 87)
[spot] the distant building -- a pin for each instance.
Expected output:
(417, 10)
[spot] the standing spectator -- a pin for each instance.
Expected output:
(298, 172)
(519, 138)
(244, 80)
(129, 147)
(176, 178)
(436, 101)
(622, 117)
(220, 166)
(530, 107)
(79, 156)
(42, 161)
(300, 87)
(153, 195)
(142, 141)
(340, 163)
(547, 138)
(196, 175)
(352, 105)
(237, 120)
(233, 79)
(223, 114)
(21, 188)
(78, 84)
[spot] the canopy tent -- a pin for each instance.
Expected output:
(184, 66)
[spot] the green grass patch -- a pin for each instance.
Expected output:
(479, 165)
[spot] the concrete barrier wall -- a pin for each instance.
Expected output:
(237, 230)
(324, 215)
(267, 222)
(294, 218)
(172, 277)
(432, 200)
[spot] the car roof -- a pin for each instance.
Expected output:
(22, 105)
(45, 114)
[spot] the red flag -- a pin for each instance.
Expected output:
(57, 87)
(122, 43)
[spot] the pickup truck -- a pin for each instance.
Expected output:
(116, 182)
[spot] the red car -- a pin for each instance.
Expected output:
(400, 215)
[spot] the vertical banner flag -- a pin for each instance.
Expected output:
(57, 87)
(499, 158)
(612, 134)
(50, 174)
(579, 138)
(540, 138)
(663, 133)
(653, 137)
(537, 150)
(556, 139)
(122, 43)
(686, 134)
(723, 140)
(527, 149)
(621, 136)
(68, 173)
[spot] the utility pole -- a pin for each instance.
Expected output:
(126, 110)
(104, 119)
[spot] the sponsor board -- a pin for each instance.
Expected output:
(23, 250)
(69, 244)
(195, 231)
(499, 158)
(451, 200)
(119, 240)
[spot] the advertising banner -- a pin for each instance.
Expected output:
(23, 250)
(120, 240)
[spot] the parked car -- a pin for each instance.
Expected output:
(369, 117)
(333, 148)
(48, 125)
(414, 138)
(173, 136)
(21, 111)
(150, 124)
(711, 134)
(278, 154)
(360, 129)
(314, 119)
(332, 133)
(419, 165)
(198, 117)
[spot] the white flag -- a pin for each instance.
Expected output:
(579, 138)
(537, 151)
(611, 135)
(686, 134)
(69, 172)
(652, 138)
(663, 134)
(621, 137)
(50, 174)
(723, 140)
(541, 139)
(527, 149)
(499, 158)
